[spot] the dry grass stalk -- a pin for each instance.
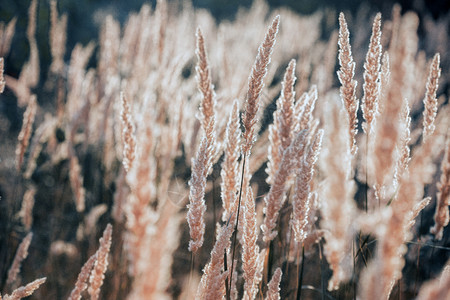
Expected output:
(57, 38)
(6, 35)
(304, 108)
(383, 272)
(25, 132)
(348, 84)
(412, 215)
(441, 216)
(140, 215)
(208, 103)
(197, 207)
(212, 284)
(280, 132)
(403, 146)
(25, 291)
(81, 283)
(76, 182)
(155, 176)
(256, 84)
(273, 292)
(21, 254)
(337, 206)
(153, 269)
(277, 194)
(128, 137)
(371, 85)
(2, 79)
(313, 234)
(385, 76)
(388, 128)
(101, 264)
(302, 190)
(250, 249)
(430, 100)
(26, 211)
(202, 164)
(230, 165)
(79, 59)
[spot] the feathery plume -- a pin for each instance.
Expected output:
(128, 137)
(441, 216)
(141, 178)
(202, 164)
(21, 254)
(25, 132)
(348, 84)
(250, 249)
(403, 146)
(273, 292)
(281, 130)
(304, 108)
(207, 108)
(277, 194)
(285, 119)
(430, 100)
(302, 189)
(212, 284)
(338, 207)
(394, 92)
(385, 76)
(230, 165)
(101, 264)
(385, 269)
(371, 85)
(82, 279)
(256, 84)
(196, 206)
(25, 291)
(153, 269)
(412, 215)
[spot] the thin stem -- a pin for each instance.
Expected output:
(191, 272)
(300, 278)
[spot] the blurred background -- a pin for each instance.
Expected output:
(86, 16)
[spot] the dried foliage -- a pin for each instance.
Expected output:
(345, 75)
(158, 123)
